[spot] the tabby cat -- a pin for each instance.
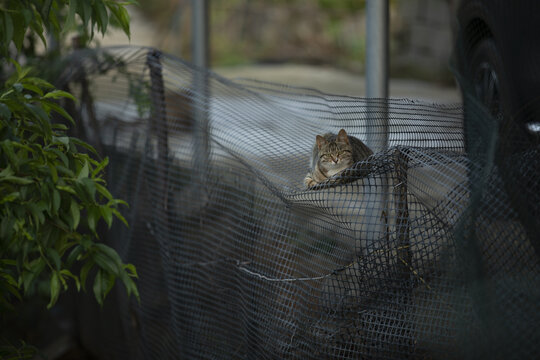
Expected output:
(332, 154)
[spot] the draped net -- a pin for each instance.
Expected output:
(421, 251)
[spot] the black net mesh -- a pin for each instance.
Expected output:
(421, 251)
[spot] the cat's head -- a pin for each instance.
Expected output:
(335, 154)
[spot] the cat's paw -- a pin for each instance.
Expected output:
(309, 182)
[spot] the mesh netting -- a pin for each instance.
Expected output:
(420, 251)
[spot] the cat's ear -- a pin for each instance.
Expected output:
(342, 136)
(320, 141)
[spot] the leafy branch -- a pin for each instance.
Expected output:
(52, 189)
(58, 17)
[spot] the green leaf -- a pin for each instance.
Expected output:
(103, 283)
(111, 279)
(18, 68)
(75, 213)
(54, 172)
(65, 171)
(66, 189)
(103, 191)
(7, 278)
(87, 242)
(70, 19)
(55, 257)
(38, 113)
(85, 270)
(60, 127)
(19, 29)
(84, 145)
(92, 161)
(121, 16)
(65, 246)
(99, 287)
(8, 28)
(120, 217)
(111, 253)
(131, 270)
(66, 273)
(22, 147)
(7, 147)
(22, 76)
(16, 180)
(89, 187)
(56, 201)
(37, 27)
(42, 83)
(58, 94)
(46, 9)
(85, 11)
(8, 171)
(60, 154)
(55, 289)
(10, 197)
(106, 212)
(131, 287)
(55, 24)
(11, 285)
(43, 118)
(46, 196)
(7, 224)
(93, 217)
(5, 112)
(35, 268)
(36, 209)
(100, 167)
(8, 262)
(33, 88)
(60, 110)
(75, 254)
(83, 173)
(116, 202)
(102, 17)
(107, 264)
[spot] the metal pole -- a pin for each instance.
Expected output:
(199, 33)
(377, 72)
(377, 93)
(200, 46)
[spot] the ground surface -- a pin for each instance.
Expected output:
(335, 81)
(326, 79)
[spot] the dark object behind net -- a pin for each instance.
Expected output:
(419, 253)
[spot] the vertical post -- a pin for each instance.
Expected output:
(200, 47)
(377, 90)
(159, 118)
(199, 33)
(377, 73)
(404, 254)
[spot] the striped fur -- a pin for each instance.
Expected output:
(332, 154)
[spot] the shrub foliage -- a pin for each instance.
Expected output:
(52, 188)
